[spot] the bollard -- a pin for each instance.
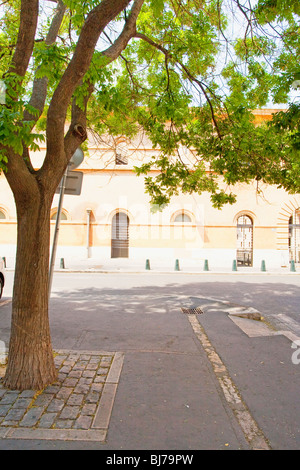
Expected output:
(206, 265)
(292, 267)
(147, 264)
(234, 268)
(62, 263)
(263, 266)
(177, 265)
(4, 261)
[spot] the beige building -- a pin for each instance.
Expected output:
(112, 219)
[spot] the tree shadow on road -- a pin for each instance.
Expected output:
(156, 310)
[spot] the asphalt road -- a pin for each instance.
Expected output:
(277, 297)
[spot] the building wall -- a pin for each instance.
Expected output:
(211, 234)
(108, 188)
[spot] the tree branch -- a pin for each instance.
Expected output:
(96, 21)
(152, 43)
(25, 42)
(187, 72)
(129, 31)
(77, 131)
(17, 174)
(19, 178)
(40, 85)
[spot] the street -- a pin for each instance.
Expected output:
(276, 296)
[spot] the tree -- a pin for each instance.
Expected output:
(123, 66)
(262, 64)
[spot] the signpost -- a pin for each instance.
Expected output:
(73, 183)
(70, 184)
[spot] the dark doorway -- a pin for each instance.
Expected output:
(294, 236)
(120, 236)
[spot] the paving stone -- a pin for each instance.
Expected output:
(75, 399)
(100, 379)
(70, 381)
(96, 387)
(47, 420)
(58, 360)
(106, 361)
(69, 412)
(69, 363)
(64, 423)
(27, 394)
(22, 402)
(6, 422)
(89, 409)
(75, 373)
(83, 422)
(52, 389)
(82, 363)
(44, 399)
(9, 398)
(32, 416)
(84, 357)
(89, 373)
(15, 414)
(79, 366)
(82, 388)
(4, 409)
(85, 381)
(73, 357)
(62, 377)
(64, 393)
(56, 405)
(92, 366)
(92, 397)
(65, 369)
(94, 360)
(102, 371)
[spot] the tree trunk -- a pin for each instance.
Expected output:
(30, 358)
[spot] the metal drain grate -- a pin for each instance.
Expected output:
(192, 311)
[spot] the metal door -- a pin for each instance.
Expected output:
(294, 236)
(120, 236)
(244, 253)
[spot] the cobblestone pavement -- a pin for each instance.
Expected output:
(76, 407)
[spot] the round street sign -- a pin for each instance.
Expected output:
(76, 159)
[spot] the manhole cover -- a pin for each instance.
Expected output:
(191, 311)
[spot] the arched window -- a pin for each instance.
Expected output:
(63, 216)
(182, 217)
(2, 214)
(294, 236)
(244, 253)
(121, 157)
(120, 235)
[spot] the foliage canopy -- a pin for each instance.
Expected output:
(189, 74)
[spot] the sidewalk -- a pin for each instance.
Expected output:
(185, 265)
(172, 379)
(164, 266)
